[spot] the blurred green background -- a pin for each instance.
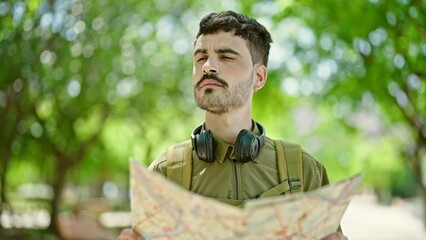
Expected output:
(84, 85)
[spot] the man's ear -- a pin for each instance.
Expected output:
(261, 76)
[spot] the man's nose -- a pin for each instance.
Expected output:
(210, 67)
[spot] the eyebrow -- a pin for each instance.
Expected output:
(220, 50)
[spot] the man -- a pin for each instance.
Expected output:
(232, 159)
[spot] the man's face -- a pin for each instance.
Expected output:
(222, 73)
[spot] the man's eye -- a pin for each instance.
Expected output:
(228, 58)
(201, 59)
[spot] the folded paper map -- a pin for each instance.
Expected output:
(163, 210)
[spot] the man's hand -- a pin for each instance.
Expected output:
(129, 234)
(335, 236)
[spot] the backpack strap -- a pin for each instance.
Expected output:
(290, 171)
(289, 161)
(179, 163)
(281, 188)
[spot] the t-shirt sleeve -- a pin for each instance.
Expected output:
(159, 164)
(314, 173)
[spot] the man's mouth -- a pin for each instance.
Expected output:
(210, 83)
(210, 80)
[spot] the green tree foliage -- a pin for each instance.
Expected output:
(70, 70)
(369, 57)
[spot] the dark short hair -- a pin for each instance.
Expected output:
(258, 38)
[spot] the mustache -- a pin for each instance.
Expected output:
(212, 77)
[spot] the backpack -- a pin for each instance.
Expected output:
(289, 162)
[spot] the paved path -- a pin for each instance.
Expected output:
(365, 219)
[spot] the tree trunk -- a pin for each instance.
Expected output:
(58, 187)
(6, 157)
(3, 200)
(422, 190)
(64, 162)
(417, 167)
(7, 137)
(423, 196)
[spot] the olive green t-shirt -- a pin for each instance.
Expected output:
(227, 179)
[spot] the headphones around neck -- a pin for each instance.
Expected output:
(247, 145)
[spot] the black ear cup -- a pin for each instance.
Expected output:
(203, 143)
(205, 146)
(247, 145)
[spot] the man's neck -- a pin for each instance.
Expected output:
(227, 126)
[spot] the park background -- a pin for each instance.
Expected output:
(84, 85)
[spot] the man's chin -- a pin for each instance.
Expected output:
(217, 112)
(213, 110)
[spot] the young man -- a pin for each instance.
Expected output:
(232, 159)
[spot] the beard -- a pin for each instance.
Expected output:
(222, 100)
